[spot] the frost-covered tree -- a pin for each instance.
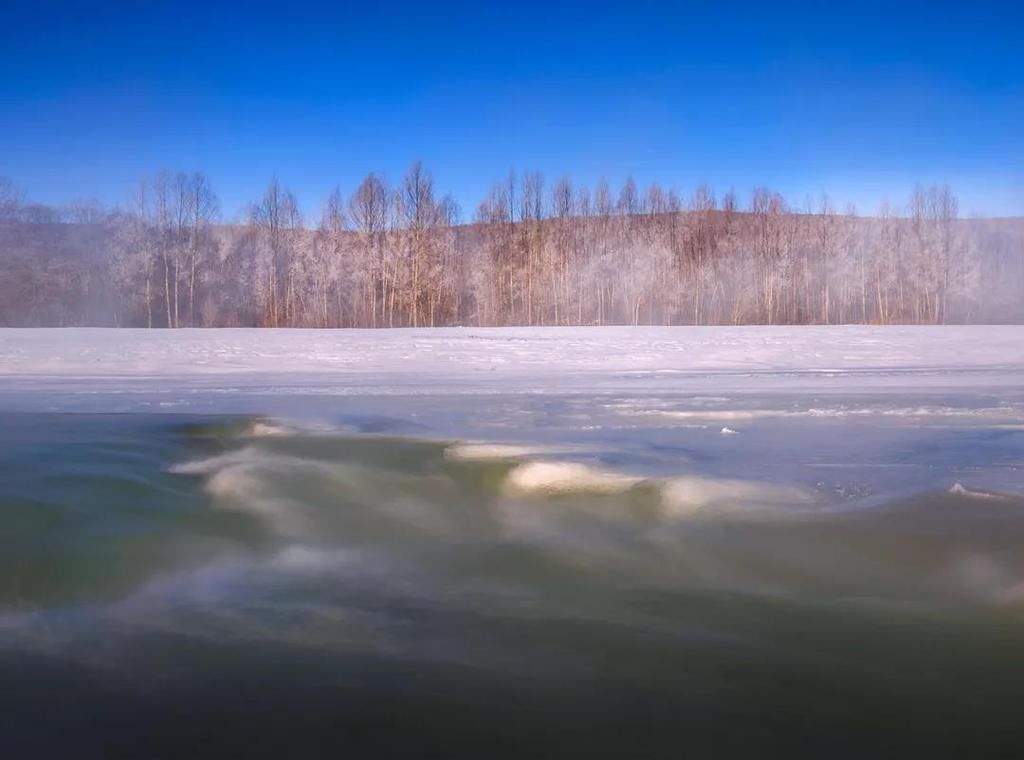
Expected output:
(531, 254)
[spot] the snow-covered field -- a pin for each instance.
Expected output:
(516, 359)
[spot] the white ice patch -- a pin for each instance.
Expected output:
(679, 497)
(716, 415)
(838, 412)
(279, 428)
(268, 430)
(566, 478)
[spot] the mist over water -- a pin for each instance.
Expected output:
(212, 585)
(425, 381)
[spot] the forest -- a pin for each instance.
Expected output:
(531, 253)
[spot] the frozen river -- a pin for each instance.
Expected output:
(469, 541)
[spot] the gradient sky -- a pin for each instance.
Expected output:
(860, 101)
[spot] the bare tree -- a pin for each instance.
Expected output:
(368, 210)
(203, 209)
(566, 255)
(274, 222)
(11, 200)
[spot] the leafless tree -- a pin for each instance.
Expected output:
(394, 256)
(11, 200)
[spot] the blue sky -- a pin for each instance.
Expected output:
(860, 102)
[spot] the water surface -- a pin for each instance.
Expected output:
(236, 585)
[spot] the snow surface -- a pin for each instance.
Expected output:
(510, 358)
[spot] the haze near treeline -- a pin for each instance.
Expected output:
(530, 254)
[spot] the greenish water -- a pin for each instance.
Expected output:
(230, 586)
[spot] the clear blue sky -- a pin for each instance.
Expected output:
(858, 99)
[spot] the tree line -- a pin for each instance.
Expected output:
(391, 255)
